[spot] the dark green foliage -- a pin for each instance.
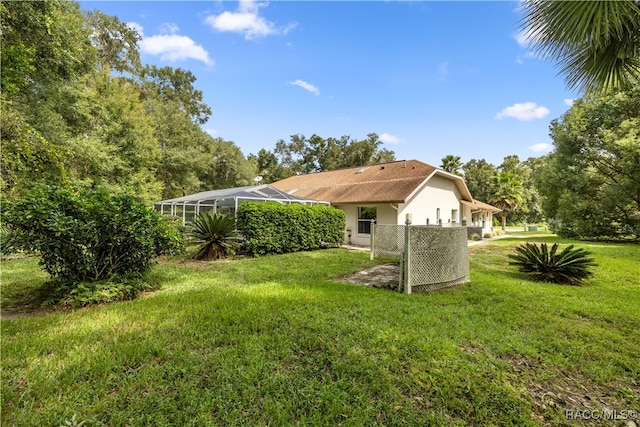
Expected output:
(216, 235)
(71, 294)
(275, 228)
(90, 236)
(570, 266)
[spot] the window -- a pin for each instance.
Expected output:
(438, 215)
(365, 215)
(454, 215)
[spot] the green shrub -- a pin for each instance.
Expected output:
(89, 236)
(275, 228)
(475, 237)
(569, 266)
(78, 294)
(216, 235)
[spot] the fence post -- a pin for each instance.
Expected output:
(373, 240)
(407, 256)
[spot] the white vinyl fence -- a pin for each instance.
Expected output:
(432, 258)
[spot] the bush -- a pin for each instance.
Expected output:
(569, 266)
(475, 237)
(216, 235)
(90, 236)
(275, 228)
(78, 294)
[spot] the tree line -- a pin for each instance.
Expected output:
(80, 110)
(587, 187)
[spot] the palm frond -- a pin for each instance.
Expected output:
(596, 43)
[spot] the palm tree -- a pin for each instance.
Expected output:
(451, 163)
(506, 193)
(596, 43)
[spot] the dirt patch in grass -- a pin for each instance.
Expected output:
(561, 394)
(386, 276)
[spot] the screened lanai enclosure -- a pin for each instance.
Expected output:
(226, 201)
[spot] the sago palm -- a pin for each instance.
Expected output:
(570, 266)
(596, 43)
(216, 235)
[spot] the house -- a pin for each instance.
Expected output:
(387, 192)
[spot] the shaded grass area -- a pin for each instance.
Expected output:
(274, 340)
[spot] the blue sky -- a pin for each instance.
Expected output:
(431, 78)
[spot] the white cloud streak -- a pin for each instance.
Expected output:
(246, 20)
(569, 101)
(525, 111)
(136, 27)
(306, 86)
(543, 147)
(174, 47)
(170, 46)
(389, 139)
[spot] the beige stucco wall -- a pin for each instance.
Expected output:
(437, 193)
(386, 215)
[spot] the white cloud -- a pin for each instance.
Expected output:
(169, 45)
(212, 132)
(174, 47)
(306, 86)
(389, 139)
(136, 27)
(169, 28)
(543, 147)
(569, 101)
(522, 39)
(528, 43)
(525, 111)
(246, 20)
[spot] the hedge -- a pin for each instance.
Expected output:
(270, 227)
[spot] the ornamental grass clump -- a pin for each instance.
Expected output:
(216, 235)
(570, 266)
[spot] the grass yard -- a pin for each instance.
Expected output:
(274, 340)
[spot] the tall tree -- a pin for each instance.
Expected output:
(478, 174)
(596, 43)
(268, 167)
(591, 183)
(529, 209)
(115, 42)
(452, 164)
(506, 193)
(225, 165)
(301, 155)
(117, 148)
(175, 86)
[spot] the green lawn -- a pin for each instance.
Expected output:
(273, 340)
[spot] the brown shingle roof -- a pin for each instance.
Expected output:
(486, 206)
(383, 183)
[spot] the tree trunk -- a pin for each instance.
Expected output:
(504, 220)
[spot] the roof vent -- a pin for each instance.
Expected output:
(362, 169)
